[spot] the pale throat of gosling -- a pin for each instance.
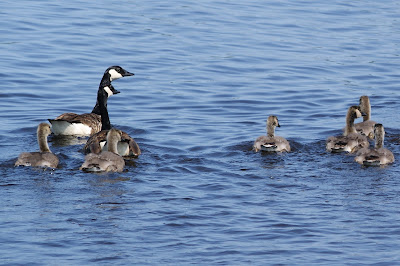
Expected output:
(42, 140)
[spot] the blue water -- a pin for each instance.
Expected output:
(207, 76)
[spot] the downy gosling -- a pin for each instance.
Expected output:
(350, 141)
(106, 161)
(378, 155)
(43, 158)
(271, 143)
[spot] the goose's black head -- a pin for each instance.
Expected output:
(115, 72)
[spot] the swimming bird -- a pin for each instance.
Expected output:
(89, 123)
(367, 126)
(271, 143)
(350, 141)
(127, 146)
(376, 156)
(43, 158)
(106, 161)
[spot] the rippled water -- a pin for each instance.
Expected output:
(207, 75)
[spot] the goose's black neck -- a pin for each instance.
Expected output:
(101, 106)
(105, 81)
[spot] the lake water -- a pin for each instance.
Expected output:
(207, 76)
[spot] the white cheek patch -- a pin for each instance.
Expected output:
(109, 92)
(114, 74)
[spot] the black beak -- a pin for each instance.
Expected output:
(278, 125)
(127, 74)
(363, 114)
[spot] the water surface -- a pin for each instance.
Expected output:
(207, 76)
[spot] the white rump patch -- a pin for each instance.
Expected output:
(59, 127)
(114, 74)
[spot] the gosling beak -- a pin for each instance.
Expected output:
(363, 114)
(278, 125)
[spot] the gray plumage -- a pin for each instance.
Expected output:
(350, 141)
(106, 161)
(378, 155)
(367, 126)
(271, 143)
(44, 158)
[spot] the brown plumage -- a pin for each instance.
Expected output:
(127, 146)
(88, 124)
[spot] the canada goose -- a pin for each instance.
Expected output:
(351, 141)
(378, 155)
(89, 123)
(271, 143)
(44, 158)
(106, 161)
(367, 126)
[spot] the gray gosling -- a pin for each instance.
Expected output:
(378, 155)
(271, 143)
(106, 161)
(350, 141)
(44, 158)
(367, 126)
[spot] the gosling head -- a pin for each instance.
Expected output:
(355, 111)
(273, 121)
(114, 135)
(43, 129)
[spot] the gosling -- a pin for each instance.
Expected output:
(271, 143)
(43, 158)
(351, 141)
(377, 156)
(106, 161)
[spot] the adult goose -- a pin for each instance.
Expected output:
(43, 158)
(367, 126)
(350, 141)
(271, 143)
(106, 161)
(89, 123)
(378, 155)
